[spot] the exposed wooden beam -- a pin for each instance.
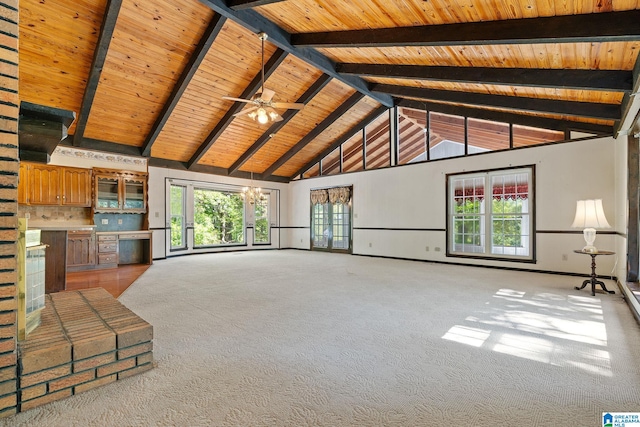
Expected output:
(188, 72)
(499, 116)
(608, 80)
(172, 164)
(344, 138)
(276, 126)
(99, 145)
(257, 23)
(536, 105)
(584, 28)
(248, 4)
(109, 19)
(276, 59)
(310, 136)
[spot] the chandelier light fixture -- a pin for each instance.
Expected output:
(252, 194)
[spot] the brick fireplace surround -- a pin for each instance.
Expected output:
(86, 338)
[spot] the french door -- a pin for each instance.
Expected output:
(331, 225)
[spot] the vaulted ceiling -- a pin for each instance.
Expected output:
(148, 77)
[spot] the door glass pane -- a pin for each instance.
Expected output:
(340, 226)
(320, 226)
(261, 232)
(177, 207)
(218, 218)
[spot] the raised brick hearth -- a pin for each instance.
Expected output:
(87, 339)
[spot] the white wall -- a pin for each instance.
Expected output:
(413, 197)
(157, 204)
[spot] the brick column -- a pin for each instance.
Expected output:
(9, 111)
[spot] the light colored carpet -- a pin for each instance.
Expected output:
(291, 338)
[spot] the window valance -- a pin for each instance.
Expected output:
(500, 191)
(331, 195)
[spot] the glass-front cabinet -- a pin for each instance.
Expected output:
(120, 191)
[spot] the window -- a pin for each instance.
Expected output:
(177, 207)
(218, 217)
(377, 143)
(490, 214)
(261, 231)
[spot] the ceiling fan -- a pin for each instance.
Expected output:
(264, 108)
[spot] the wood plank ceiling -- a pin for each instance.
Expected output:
(147, 77)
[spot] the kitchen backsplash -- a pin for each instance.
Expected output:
(68, 214)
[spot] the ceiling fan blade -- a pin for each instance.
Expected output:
(267, 95)
(237, 99)
(288, 105)
(245, 111)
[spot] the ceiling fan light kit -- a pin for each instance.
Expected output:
(263, 109)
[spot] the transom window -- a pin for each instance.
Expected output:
(490, 214)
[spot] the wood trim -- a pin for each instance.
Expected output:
(276, 126)
(276, 59)
(343, 108)
(188, 72)
(99, 55)
(555, 106)
(589, 28)
(608, 80)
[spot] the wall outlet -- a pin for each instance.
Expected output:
(437, 249)
(105, 221)
(119, 221)
(426, 248)
(565, 257)
(370, 244)
(157, 214)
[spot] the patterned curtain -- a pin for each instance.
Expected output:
(319, 197)
(339, 195)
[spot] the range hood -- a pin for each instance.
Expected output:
(40, 130)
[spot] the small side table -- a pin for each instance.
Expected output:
(593, 280)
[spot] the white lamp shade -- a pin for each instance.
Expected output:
(590, 214)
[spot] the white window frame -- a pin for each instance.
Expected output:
(482, 236)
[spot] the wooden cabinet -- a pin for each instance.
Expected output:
(80, 250)
(120, 191)
(55, 260)
(107, 250)
(54, 185)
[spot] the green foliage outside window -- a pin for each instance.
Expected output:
(177, 216)
(507, 222)
(467, 222)
(261, 226)
(218, 218)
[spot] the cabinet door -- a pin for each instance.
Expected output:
(76, 187)
(107, 193)
(23, 188)
(135, 194)
(80, 249)
(44, 185)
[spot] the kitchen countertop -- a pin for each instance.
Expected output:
(61, 226)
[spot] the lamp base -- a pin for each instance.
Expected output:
(590, 249)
